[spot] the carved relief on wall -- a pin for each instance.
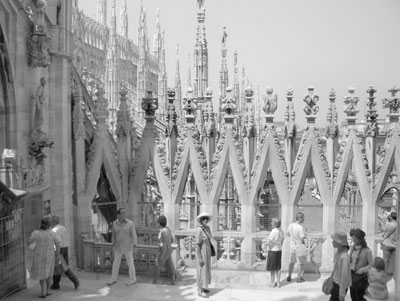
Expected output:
(39, 41)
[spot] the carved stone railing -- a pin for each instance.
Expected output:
(98, 257)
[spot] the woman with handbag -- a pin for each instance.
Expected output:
(361, 260)
(340, 280)
(203, 254)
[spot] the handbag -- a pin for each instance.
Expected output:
(359, 280)
(327, 285)
(213, 253)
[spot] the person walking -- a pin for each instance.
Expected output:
(298, 250)
(165, 239)
(341, 272)
(389, 243)
(44, 242)
(274, 258)
(377, 281)
(124, 240)
(360, 262)
(62, 233)
(203, 254)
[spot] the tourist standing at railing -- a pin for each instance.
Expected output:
(389, 243)
(62, 233)
(361, 261)
(43, 242)
(164, 257)
(124, 240)
(274, 258)
(341, 274)
(203, 254)
(298, 250)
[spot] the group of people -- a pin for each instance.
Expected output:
(125, 241)
(354, 267)
(50, 250)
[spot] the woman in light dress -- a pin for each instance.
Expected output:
(46, 248)
(203, 254)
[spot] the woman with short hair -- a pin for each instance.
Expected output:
(274, 258)
(45, 241)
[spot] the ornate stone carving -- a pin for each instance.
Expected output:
(270, 102)
(208, 115)
(190, 105)
(249, 125)
(372, 128)
(332, 117)
(123, 126)
(39, 41)
(78, 115)
(393, 103)
(351, 103)
(311, 100)
(290, 126)
(229, 103)
(149, 104)
(39, 111)
(171, 117)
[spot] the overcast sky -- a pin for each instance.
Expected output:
(298, 43)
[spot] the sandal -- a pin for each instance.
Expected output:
(300, 279)
(203, 294)
(41, 296)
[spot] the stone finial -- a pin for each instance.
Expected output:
(332, 116)
(171, 114)
(351, 101)
(101, 111)
(209, 94)
(372, 116)
(122, 129)
(149, 105)
(270, 102)
(393, 103)
(229, 103)
(289, 98)
(311, 100)
(171, 95)
(248, 93)
(190, 106)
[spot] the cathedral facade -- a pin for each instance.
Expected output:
(88, 125)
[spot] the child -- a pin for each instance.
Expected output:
(377, 280)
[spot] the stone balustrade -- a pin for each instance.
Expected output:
(98, 257)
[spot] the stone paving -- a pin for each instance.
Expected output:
(226, 285)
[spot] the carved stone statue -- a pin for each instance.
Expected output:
(39, 109)
(270, 102)
(38, 17)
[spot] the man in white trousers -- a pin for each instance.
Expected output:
(124, 240)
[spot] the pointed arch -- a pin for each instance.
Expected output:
(228, 157)
(269, 158)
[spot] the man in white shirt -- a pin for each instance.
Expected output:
(62, 233)
(297, 248)
(124, 239)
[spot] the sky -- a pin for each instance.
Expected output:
(284, 43)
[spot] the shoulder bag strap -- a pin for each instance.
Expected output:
(206, 234)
